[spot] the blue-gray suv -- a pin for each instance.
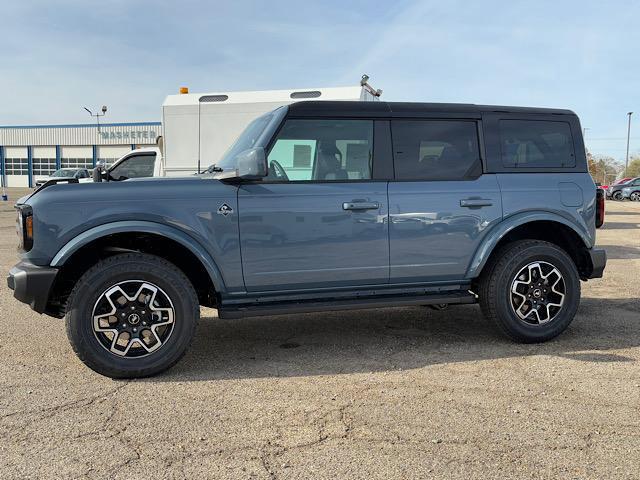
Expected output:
(323, 206)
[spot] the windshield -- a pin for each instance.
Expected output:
(64, 173)
(246, 140)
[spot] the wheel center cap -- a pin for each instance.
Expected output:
(134, 318)
(537, 293)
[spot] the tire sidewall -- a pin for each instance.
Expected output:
(80, 318)
(565, 265)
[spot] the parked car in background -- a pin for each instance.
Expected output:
(632, 191)
(622, 180)
(82, 174)
(615, 191)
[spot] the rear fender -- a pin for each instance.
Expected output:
(499, 231)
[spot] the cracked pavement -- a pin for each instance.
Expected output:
(387, 393)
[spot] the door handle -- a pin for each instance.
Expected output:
(360, 206)
(475, 202)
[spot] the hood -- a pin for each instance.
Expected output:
(128, 191)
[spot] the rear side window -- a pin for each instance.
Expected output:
(435, 149)
(536, 144)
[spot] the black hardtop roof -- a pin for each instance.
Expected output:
(355, 108)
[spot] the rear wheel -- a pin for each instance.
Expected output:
(132, 315)
(635, 196)
(530, 290)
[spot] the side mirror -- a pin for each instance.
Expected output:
(252, 164)
(97, 174)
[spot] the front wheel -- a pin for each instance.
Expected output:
(530, 291)
(617, 195)
(132, 315)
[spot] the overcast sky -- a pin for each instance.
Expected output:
(56, 57)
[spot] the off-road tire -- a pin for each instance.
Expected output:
(495, 289)
(119, 268)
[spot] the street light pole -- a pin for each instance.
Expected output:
(626, 164)
(98, 115)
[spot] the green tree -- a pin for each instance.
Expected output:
(603, 169)
(634, 166)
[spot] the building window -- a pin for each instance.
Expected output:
(44, 166)
(76, 163)
(16, 166)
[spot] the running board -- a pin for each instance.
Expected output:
(284, 308)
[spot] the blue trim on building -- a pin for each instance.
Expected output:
(3, 175)
(58, 157)
(30, 165)
(94, 155)
(88, 125)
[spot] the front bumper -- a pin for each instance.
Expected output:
(31, 284)
(598, 262)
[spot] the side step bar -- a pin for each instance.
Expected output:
(284, 308)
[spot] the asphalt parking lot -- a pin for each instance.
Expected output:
(389, 393)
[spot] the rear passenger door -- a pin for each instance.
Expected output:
(440, 203)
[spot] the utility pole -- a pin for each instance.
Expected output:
(626, 164)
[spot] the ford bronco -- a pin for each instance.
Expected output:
(323, 206)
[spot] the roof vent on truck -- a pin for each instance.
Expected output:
(213, 98)
(309, 94)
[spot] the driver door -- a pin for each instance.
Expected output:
(319, 219)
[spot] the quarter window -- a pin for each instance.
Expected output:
(435, 149)
(536, 144)
(322, 150)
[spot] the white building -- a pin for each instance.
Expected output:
(30, 152)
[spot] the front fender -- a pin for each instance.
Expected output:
(142, 227)
(498, 232)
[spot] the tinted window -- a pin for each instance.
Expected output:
(322, 150)
(536, 144)
(136, 166)
(435, 149)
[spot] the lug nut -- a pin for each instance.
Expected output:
(122, 314)
(135, 329)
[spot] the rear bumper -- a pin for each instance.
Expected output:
(598, 262)
(31, 284)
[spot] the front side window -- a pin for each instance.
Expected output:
(322, 150)
(135, 166)
(435, 149)
(536, 144)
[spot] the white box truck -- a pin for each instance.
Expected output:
(199, 127)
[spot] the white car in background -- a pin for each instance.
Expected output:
(82, 174)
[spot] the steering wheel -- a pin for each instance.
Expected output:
(277, 171)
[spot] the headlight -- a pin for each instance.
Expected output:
(24, 227)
